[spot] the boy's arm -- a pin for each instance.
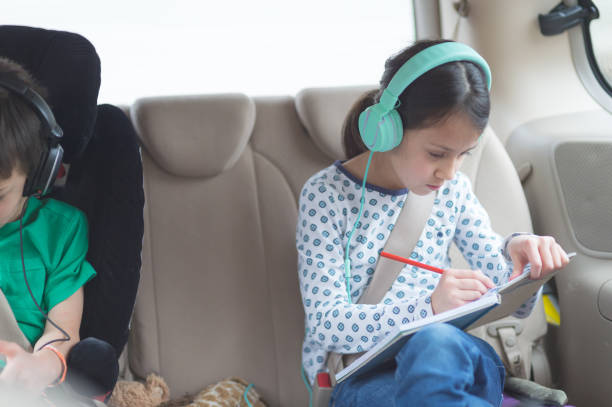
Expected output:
(67, 314)
(35, 371)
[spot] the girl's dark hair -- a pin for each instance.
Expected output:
(21, 143)
(435, 95)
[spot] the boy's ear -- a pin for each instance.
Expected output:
(39, 179)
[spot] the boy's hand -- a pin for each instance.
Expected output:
(458, 287)
(542, 252)
(31, 372)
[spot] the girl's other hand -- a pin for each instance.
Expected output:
(30, 372)
(542, 252)
(458, 287)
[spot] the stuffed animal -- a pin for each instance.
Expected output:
(155, 393)
(227, 393)
(135, 394)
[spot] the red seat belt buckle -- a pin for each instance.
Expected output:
(323, 379)
(61, 172)
(103, 398)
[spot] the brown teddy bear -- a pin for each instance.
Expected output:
(135, 394)
(155, 393)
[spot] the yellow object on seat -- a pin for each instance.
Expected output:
(552, 310)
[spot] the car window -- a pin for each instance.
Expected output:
(265, 47)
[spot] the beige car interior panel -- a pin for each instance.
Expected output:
(524, 84)
(569, 194)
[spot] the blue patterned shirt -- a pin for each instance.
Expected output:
(328, 208)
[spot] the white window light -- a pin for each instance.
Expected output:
(268, 47)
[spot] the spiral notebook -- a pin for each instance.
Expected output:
(493, 305)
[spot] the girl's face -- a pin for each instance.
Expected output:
(428, 157)
(11, 197)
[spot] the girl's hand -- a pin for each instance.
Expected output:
(31, 372)
(457, 287)
(542, 252)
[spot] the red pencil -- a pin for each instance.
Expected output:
(411, 262)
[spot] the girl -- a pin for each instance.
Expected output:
(442, 111)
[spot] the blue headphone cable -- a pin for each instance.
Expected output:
(308, 386)
(347, 261)
(25, 277)
(347, 264)
(246, 391)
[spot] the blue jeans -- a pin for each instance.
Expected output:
(438, 366)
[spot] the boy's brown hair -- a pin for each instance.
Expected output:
(21, 143)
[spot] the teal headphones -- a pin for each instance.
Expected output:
(380, 125)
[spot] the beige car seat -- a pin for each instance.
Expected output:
(219, 292)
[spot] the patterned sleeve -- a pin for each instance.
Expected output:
(482, 247)
(525, 310)
(331, 322)
(476, 240)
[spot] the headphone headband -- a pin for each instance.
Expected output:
(426, 60)
(380, 125)
(35, 101)
(41, 178)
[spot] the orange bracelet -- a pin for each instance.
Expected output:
(64, 366)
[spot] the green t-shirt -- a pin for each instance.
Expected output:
(54, 246)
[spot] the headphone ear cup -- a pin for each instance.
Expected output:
(380, 132)
(393, 130)
(42, 178)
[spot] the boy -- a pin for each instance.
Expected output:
(43, 244)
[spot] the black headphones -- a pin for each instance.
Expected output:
(41, 178)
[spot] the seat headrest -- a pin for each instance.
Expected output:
(322, 111)
(195, 136)
(68, 67)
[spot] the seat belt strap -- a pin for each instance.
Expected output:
(509, 342)
(402, 240)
